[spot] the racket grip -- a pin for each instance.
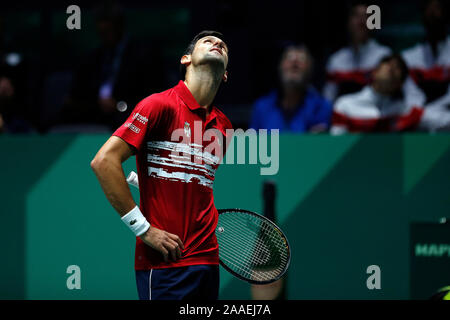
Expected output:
(132, 179)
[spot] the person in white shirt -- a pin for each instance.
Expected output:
(380, 106)
(429, 61)
(349, 69)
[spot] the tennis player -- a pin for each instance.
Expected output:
(176, 253)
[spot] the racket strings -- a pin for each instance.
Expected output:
(260, 247)
(245, 266)
(252, 247)
(243, 262)
(270, 237)
(249, 272)
(252, 259)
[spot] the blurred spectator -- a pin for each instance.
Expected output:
(114, 77)
(348, 70)
(381, 106)
(13, 107)
(429, 62)
(295, 106)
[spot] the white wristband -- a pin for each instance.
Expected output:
(136, 221)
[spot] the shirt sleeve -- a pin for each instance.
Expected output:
(147, 117)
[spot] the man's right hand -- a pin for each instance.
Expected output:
(164, 242)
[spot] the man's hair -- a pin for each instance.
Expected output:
(401, 62)
(191, 46)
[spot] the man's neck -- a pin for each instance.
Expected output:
(203, 83)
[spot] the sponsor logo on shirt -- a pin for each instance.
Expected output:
(139, 118)
(132, 127)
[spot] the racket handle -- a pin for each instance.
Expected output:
(133, 179)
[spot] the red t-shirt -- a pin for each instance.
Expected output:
(176, 170)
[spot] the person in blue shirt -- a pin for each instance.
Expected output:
(295, 106)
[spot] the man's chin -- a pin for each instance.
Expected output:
(294, 82)
(389, 87)
(214, 59)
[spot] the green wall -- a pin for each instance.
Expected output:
(344, 202)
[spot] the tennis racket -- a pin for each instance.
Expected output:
(251, 247)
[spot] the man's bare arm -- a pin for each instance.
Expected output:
(107, 165)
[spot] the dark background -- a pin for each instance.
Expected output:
(255, 31)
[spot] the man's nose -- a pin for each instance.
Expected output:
(217, 43)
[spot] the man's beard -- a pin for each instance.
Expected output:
(215, 61)
(297, 82)
(388, 86)
(216, 65)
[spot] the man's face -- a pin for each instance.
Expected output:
(295, 67)
(388, 76)
(210, 49)
(357, 24)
